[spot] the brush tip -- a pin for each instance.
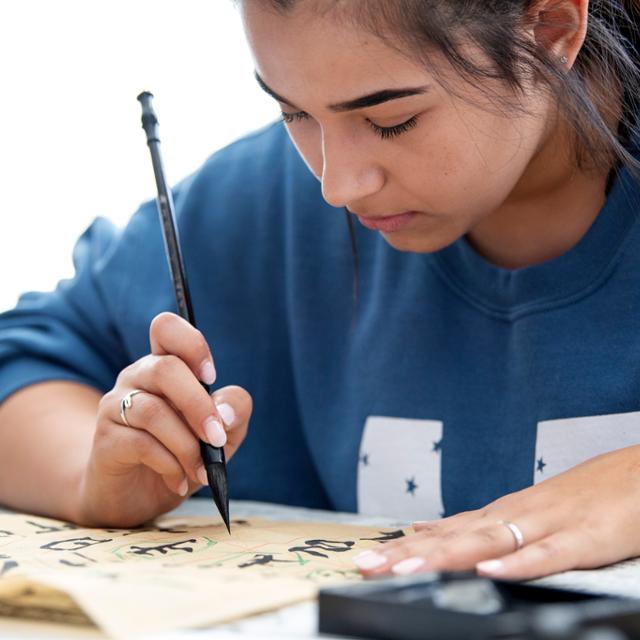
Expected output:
(217, 476)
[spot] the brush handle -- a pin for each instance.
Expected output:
(166, 209)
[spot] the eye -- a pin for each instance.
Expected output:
(391, 132)
(384, 132)
(292, 117)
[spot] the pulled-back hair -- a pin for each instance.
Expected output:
(607, 65)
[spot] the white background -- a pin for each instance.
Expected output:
(71, 144)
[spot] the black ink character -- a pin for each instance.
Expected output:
(5, 534)
(133, 532)
(48, 528)
(387, 535)
(126, 532)
(85, 562)
(175, 529)
(163, 549)
(6, 564)
(264, 559)
(74, 544)
(313, 547)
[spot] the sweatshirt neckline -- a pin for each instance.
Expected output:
(512, 293)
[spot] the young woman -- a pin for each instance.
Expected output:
(486, 376)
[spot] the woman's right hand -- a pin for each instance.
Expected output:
(138, 472)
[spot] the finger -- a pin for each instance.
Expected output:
(465, 551)
(171, 334)
(450, 551)
(440, 526)
(441, 530)
(558, 552)
(234, 406)
(139, 447)
(169, 377)
(152, 414)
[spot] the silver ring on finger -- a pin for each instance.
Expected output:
(126, 403)
(516, 532)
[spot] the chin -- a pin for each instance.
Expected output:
(419, 243)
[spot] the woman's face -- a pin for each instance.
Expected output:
(443, 155)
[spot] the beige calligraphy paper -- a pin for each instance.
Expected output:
(181, 573)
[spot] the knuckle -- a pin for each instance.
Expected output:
(486, 513)
(395, 548)
(106, 400)
(149, 408)
(431, 529)
(502, 501)
(415, 547)
(443, 556)
(548, 549)
(164, 367)
(450, 535)
(161, 323)
(122, 377)
(488, 535)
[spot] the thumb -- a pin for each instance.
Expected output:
(234, 405)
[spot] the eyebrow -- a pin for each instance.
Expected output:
(370, 100)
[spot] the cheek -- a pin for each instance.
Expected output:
(464, 173)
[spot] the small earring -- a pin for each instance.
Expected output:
(563, 60)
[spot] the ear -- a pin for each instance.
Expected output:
(560, 26)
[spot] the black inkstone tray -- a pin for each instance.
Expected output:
(464, 606)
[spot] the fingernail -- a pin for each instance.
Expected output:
(215, 433)
(183, 488)
(207, 372)
(201, 474)
(227, 413)
(422, 523)
(370, 560)
(491, 567)
(405, 567)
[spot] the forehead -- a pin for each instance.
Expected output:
(306, 54)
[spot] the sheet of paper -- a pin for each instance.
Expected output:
(180, 573)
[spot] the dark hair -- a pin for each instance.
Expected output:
(606, 66)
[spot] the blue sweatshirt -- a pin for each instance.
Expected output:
(451, 383)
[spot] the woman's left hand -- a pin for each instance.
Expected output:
(584, 518)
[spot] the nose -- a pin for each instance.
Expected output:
(349, 173)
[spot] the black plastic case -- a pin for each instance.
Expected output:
(467, 607)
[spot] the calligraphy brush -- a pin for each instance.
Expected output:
(213, 457)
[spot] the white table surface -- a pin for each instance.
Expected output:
(300, 621)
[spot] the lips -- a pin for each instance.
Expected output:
(388, 223)
(377, 216)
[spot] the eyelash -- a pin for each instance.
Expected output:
(384, 132)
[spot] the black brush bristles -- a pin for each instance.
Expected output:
(217, 476)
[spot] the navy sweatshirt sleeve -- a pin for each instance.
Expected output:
(230, 220)
(67, 334)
